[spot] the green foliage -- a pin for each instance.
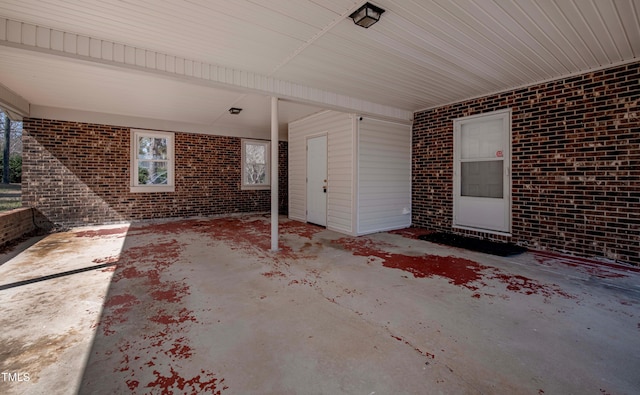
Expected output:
(143, 175)
(15, 169)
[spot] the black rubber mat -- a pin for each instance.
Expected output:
(470, 243)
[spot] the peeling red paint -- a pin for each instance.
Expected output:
(427, 354)
(526, 285)
(195, 385)
(274, 273)
(172, 293)
(303, 281)
(103, 232)
(144, 271)
(180, 350)
(125, 299)
(252, 236)
(459, 271)
(132, 384)
(124, 304)
(109, 259)
(299, 228)
(181, 317)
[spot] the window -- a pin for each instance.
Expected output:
(152, 161)
(255, 164)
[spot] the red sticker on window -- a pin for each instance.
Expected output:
(499, 154)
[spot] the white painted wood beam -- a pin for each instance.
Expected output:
(15, 105)
(73, 46)
(274, 173)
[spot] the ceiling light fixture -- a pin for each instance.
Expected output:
(366, 15)
(235, 110)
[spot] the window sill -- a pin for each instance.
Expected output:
(152, 189)
(254, 187)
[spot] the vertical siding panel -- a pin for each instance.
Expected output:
(340, 164)
(384, 176)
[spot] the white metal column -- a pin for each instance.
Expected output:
(274, 173)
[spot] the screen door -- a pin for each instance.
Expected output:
(482, 182)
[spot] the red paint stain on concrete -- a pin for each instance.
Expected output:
(109, 259)
(116, 309)
(427, 354)
(458, 271)
(184, 315)
(153, 302)
(102, 232)
(132, 384)
(180, 349)
(239, 233)
(300, 228)
(205, 382)
(125, 299)
(526, 285)
(172, 293)
(274, 273)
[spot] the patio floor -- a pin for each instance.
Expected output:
(202, 306)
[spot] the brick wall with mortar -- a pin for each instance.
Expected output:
(575, 164)
(15, 224)
(78, 174)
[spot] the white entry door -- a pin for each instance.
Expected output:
(317, 180)
(482, 182)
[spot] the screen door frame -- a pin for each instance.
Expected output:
(485, 214)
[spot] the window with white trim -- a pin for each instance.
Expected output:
(152, 161)
(256, 164)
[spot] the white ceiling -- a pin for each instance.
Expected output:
(421, 54)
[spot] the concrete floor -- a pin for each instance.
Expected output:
(202, 306)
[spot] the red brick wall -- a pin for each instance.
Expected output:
(575, 163)
(15, 224)
(78, 174)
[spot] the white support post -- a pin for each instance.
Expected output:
(274, 174)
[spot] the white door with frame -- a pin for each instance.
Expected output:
(317, 180)
(482, 178)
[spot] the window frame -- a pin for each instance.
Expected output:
(135, 187)
(267, 183)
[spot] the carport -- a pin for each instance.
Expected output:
(157, 142)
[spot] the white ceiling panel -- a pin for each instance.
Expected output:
(422, 53)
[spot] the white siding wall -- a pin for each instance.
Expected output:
(340, 139)
(384, 176)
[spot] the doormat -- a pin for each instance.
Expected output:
(473, 244)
